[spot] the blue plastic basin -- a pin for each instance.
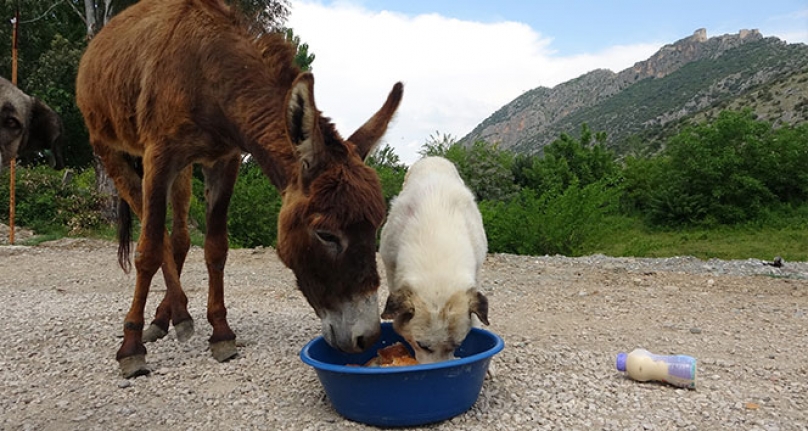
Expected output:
(402, 396)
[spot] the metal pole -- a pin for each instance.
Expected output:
(13, 164)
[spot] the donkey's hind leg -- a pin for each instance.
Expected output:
(153, 252)
(174, 306)
(131, 355)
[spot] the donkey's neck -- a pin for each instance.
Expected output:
(264, 136)
(257, 110)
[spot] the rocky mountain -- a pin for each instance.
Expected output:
(695, 75)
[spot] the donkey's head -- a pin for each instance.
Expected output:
(331, 212)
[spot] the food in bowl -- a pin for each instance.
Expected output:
(394, 355)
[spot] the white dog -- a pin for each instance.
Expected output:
(433, 245)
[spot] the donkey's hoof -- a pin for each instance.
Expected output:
(133, 366)
(224, 350)
(185, 330)
(153, 333)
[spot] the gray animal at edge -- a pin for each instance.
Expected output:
(27, 127)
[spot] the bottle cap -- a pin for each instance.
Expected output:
(621, 361)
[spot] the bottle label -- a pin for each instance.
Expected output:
(681, 370)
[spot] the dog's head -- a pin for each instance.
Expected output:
(434, 330)
(29, 129)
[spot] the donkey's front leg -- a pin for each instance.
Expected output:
(174, 306)
(219, 182)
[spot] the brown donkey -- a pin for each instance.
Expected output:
(181, 82)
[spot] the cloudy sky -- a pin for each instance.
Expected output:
(461, 61)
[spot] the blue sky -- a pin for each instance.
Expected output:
(578, 26)
(461, 61)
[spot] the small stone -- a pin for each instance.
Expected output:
(695, 330)
(123, 384)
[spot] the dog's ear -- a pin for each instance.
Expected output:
(399, 304)
(478, 304)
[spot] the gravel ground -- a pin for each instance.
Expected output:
(563, 321)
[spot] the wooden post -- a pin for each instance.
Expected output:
(13, 164)
(11, 203)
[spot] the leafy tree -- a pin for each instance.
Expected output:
(437, 145)
(390, 169)
(303, 58)
(567, 161)
(587, 161)
(50, 41)
(782, 161)
(267, 15)
(713, 166)
(484, 167)
(53, 80)
(723, 172)
(97, 14)
(40, 21)
(641, 178)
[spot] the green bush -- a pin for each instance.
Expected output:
(720, 173)
(552, 223)
(254, 207)
(46, 204)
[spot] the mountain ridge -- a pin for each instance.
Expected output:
(681, 79)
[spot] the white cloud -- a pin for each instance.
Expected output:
(795, 36)
(455, 73)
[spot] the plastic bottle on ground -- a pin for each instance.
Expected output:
(642, 365)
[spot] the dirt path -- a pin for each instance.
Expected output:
(563, 321)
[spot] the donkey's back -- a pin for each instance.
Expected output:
(170, 67)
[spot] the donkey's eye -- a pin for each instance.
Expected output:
(326, 236)
(331, 241)
(424, 347)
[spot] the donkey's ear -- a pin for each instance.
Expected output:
(301, 120)
(367, 136)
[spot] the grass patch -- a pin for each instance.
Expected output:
(39, 239)
(631, 238)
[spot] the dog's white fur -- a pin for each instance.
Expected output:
(433, 246)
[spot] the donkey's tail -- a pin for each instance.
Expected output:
(124, 235)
